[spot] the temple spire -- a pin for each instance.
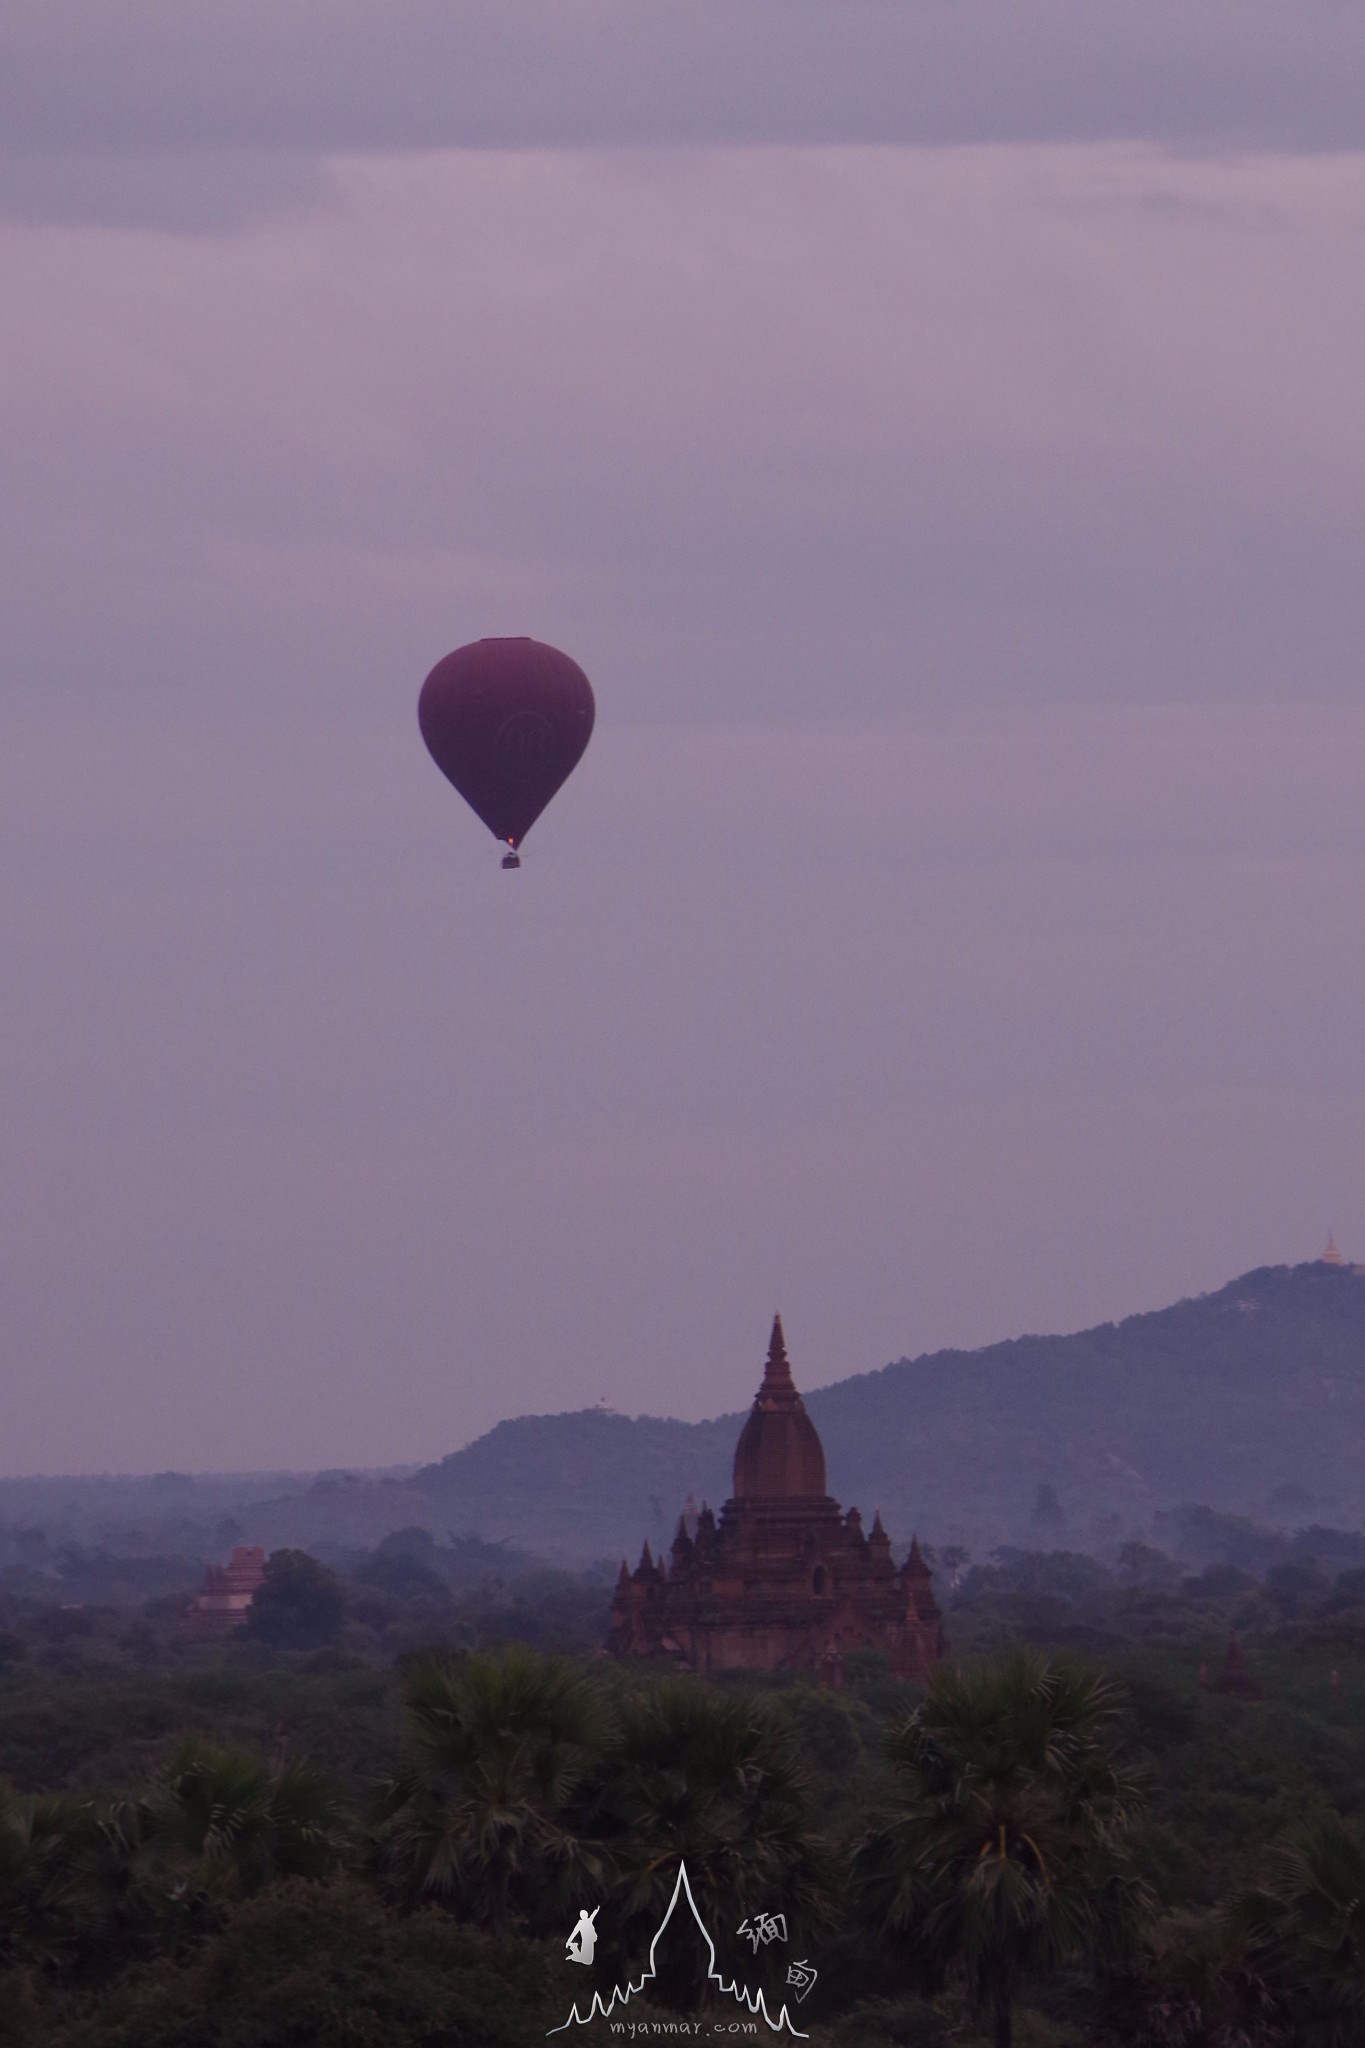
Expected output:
(777, 1373)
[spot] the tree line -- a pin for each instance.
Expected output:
(989, 1869)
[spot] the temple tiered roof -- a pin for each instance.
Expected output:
(784, 1580)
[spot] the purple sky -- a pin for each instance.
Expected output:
(937, 428)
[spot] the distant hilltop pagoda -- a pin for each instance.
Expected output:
(785, 1581)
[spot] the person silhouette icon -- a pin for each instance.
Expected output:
(581, 1943)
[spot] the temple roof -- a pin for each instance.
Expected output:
(779, 1455)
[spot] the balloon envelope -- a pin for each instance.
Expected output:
(506, 721)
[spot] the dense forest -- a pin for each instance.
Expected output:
(375, 1813)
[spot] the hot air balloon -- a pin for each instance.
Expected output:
(506, 721)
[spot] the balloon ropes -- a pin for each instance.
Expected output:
(507, 722)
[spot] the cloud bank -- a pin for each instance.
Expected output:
(937, 430)
(112, 110)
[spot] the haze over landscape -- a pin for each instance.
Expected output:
(860, 502)
(945, 460)
(1212, 1429)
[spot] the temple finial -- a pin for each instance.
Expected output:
(778, 1367)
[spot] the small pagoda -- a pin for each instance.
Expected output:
(228, 1592)
(1236, 1676)
(785, 1580)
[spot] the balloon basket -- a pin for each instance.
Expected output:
(511, 860)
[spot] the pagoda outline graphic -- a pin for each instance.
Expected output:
(753, 2001)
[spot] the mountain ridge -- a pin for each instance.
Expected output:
(1225, 1398)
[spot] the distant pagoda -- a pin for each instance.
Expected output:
(1236, 1676)
(228, 1593)
(785, 1581)
(1333, 1255)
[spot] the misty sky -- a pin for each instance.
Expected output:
(935, 426)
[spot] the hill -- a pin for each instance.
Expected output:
(1251, 1400)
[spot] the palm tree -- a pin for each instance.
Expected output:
(713, 1779)
(94, 1882)
(1202, 1986)
(40, 1844)
(1305, 1929)
(1002, 1851)
(493, 1814)
(232, 1822)
(126, 1900)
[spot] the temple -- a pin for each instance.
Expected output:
(228, 1593)
(785, 1581)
